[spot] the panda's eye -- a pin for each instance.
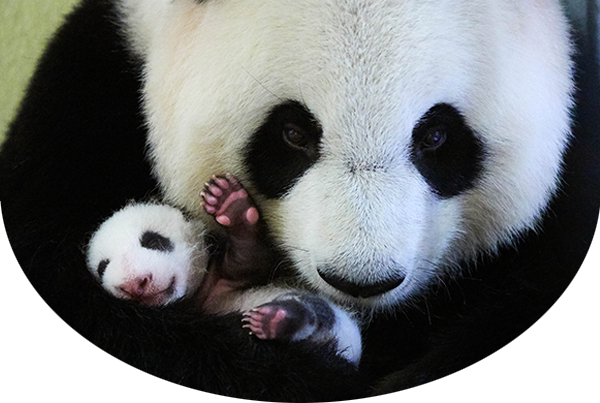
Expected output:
(102, 267)
(446, 151)
(283, 148)
(434, 138)
(295, 137)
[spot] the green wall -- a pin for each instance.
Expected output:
(25, 26)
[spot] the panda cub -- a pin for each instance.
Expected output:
(151, 254)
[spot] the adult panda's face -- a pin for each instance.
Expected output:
(383, 141)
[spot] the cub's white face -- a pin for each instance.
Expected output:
(148, 253)
(384, 141)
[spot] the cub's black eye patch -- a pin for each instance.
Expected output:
(155, 241)
(446, 151)
(102, 267)
(283, 148)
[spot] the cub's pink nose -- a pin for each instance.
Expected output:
(137, 287)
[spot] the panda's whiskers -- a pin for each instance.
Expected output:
(298, 248)
(274, 271)
(262, 85)
(428, 312)
(439, 274)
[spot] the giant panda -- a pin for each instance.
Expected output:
(413, 160)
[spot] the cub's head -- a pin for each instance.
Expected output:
(385, 142)
(147, 253)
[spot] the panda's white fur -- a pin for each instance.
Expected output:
(368, 71)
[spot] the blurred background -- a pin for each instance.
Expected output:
(25, 27)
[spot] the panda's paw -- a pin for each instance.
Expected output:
(295, 316)
(270, 321)
(226, 199)
(291, 316)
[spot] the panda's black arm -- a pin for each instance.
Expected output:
(74, 154)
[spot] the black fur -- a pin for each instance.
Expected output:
(155, 241)
(75, 154)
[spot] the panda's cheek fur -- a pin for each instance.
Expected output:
(393, 230)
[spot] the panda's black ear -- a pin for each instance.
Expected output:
(155, 241)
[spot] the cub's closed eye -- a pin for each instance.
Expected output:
(102, 267)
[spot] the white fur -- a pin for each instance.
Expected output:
(368, 71)
(118, 240)
(348, 334)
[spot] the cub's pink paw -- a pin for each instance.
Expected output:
(226, 199)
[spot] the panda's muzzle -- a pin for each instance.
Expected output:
(362, 289)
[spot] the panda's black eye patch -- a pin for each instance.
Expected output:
(155, 241)
(283, 148)
(446, 151)
(102, 267)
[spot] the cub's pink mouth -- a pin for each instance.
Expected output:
(145, 295)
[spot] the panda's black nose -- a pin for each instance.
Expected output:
(361, 289)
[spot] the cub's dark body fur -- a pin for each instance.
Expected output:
(76, 152)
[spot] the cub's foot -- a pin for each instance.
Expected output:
(226, 199)
(246, 259)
